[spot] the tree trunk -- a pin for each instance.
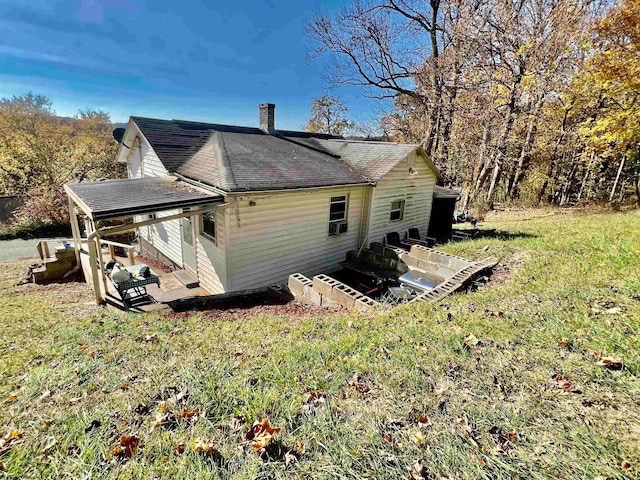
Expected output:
(554, 155)
(615, 183)
(513, 190)
(502, 143)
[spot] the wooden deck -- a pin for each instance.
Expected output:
(171, 287)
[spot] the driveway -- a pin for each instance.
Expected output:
(22, 249)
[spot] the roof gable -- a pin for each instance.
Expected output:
(248, 159)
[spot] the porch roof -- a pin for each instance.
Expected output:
(111, 199)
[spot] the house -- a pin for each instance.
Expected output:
(287, 201)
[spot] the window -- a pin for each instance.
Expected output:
(338, 215)
(209, 225)
(397, 210)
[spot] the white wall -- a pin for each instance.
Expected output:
(285, 233)
(417, 192)
(166, 237)
(211, 257)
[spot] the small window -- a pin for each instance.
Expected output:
(209, 225)
(338, 215)
(397, 210)
(151, 216)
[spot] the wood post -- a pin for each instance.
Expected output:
(45, 249)
(112, 251)
(132, 257)
(75, 230)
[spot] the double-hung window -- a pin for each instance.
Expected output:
(209, 225)
(338, 215)
(397, 210)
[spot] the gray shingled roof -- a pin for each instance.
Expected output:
(117, 198)
(243, 158)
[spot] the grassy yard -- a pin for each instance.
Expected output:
(506, 382)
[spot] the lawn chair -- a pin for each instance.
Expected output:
(131, 282)
(412, 237)
(392, 239)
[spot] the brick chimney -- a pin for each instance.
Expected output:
(268, 117)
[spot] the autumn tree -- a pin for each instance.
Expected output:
(40, 152)
(329, 115)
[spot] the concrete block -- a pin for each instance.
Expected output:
(365, 304)
(324, 284)
(345, 295)
(311, 296)
(420, 252)
(297, 284)
(327, 302)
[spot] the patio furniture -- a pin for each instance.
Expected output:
(392, 239)
(130, 281)
(412, 237)
(398, 295)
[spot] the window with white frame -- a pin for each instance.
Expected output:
(397, 210)
(209, 225)
(338, 215)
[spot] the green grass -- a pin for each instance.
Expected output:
(494, 409)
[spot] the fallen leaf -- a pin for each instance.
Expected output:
(150, 338)
(187, 414)
(124, 386)
(419, 471)
(565, 385)
(9, 438)
(261, 434)
(179, 448)
(128, 446)
(289, 459)
(357, 383)
(205, 446)
(423, 421)
(388, 438)
(419, 438)
(45, 394)
(12, 398)
(301, 447)
(471, 341)
(611, 363)
(613, 311)
(315, 397)
(564, 343)
(84, 348)
(625, 466)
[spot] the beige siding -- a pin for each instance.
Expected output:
(166, 237)
(286, 233)
(399, 184)
(211, 257)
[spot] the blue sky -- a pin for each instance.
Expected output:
(202, 60)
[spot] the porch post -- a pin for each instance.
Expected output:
(101, 262)
(91, 245)
(75, 230)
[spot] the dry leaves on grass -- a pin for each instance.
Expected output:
(11, 437)
(565, 385)
(419, 471)
(127, 448)
(611, 364)
(205, 446)
(313, 400)
(260, 434)
(359, 385)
